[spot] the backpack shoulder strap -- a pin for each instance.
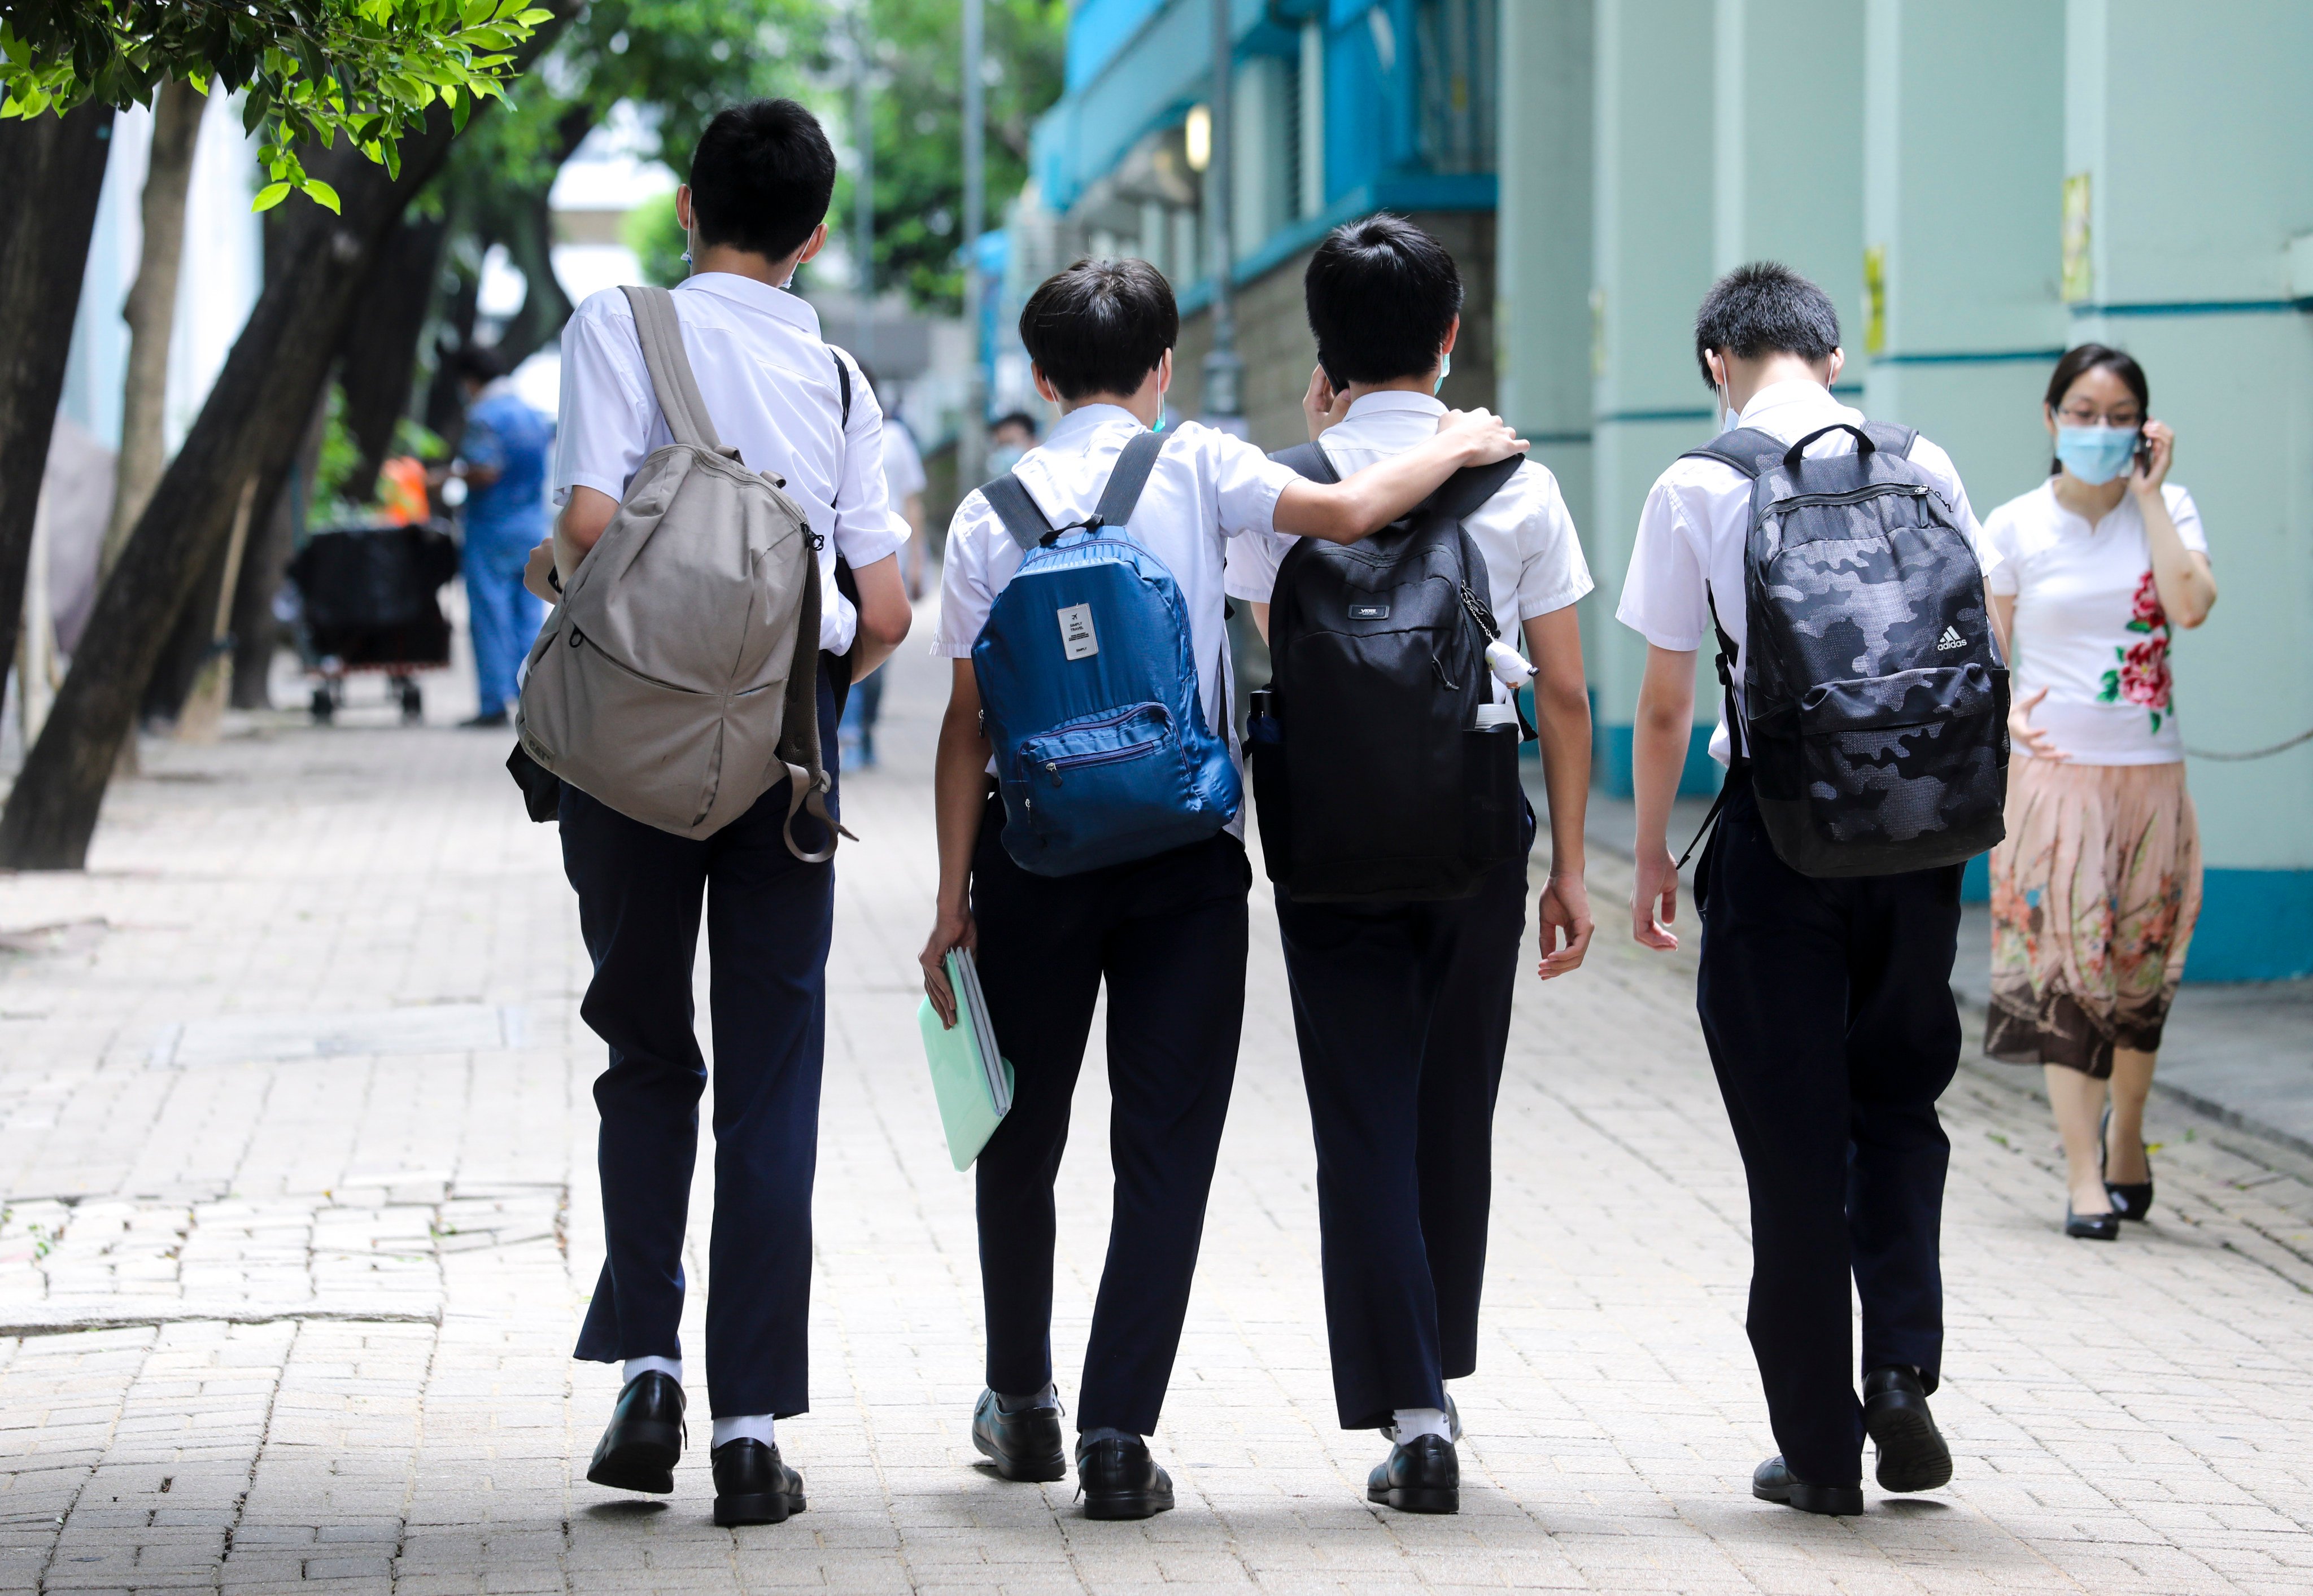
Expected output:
(1126, 479)
(1017, 510)
(1895, 440)
(1310, 459)
(1459, 496)
(1747, 448)
(843, 382)
(660, 332)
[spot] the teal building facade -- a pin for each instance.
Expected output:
(1979, 184)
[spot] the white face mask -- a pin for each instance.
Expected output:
(1730, 417)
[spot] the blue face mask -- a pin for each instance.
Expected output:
(1003, 458)
(1445, 370)
(2095, 455)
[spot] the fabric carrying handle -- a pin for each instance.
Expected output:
(1865, 444)
(659, 330)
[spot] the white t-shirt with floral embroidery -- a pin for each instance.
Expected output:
(2088, 624)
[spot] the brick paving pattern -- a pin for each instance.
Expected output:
(295, 1127)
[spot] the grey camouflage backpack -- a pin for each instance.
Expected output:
(1876, 698)
(677, 681)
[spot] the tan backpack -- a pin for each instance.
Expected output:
(678, 680)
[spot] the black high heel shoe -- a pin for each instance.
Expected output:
(2091, 1227)
(2129, 1199)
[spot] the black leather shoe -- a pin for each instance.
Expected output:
(1025, 1443)
(1118, 1479)
(752, 1485)
(1421, 1475)
(1912, 1456)
(1774, 1481)
(639, 1450)
(2091, 1227)
(2130, 1200)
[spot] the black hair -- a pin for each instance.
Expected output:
(479, 364)
(1765, 308)
(1012, 419)
(1381, 296)
(2082, 359)
(1100, 327)
(761, 178)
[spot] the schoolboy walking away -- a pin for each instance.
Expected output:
(1402, 1004)
(1838, 563)
(1166, 930)
(773, 392)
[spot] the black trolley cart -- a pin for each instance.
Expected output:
(370, 602)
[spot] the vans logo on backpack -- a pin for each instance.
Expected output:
(1077, 639)
(1950, 640)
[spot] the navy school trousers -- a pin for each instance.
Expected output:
(1167, 934)
(1403, 1012)
(640, 892)
(1828, 1012)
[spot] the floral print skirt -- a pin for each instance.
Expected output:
(2094, 895)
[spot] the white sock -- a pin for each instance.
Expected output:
(637, 1367)
(1422, 1421)
(747, 1427)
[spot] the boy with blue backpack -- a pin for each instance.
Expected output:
(1088, 794)
(1386, 768)
(1837, 565)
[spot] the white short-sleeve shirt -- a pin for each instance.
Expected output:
(2088, 624)
(903, 463)
(1206, 488)
(771, 389)
(1524, 533)
(1689, 548)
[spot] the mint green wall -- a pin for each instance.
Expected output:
(1940, 132)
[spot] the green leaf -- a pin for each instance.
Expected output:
(2156, 720)
(2137, 626)
(269, 196)
(322, 194)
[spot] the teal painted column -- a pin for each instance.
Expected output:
(1543, 251)
(1963, 161)
(1651, 261)
(2192, 132)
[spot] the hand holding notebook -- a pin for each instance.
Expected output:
(969, 1078)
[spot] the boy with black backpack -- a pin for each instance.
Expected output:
(1088, 803)
(1839, 567)
(1394, 824)
(714, 459)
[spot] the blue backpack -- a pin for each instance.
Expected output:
(1089, 690)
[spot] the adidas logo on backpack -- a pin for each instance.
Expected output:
(1876, 731)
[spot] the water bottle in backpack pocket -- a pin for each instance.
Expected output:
(1087, 677)
(1874, 712)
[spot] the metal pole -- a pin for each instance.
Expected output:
(1223, 403)
(971, 438)
(863, 186)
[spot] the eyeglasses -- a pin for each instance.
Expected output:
(2124, 417)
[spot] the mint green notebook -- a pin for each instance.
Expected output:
(971, 1081)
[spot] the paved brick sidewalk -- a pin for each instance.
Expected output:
(295, 1132)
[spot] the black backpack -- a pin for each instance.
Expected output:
(1875, 696)
(1370, 777)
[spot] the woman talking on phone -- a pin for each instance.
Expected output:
(2095, 891)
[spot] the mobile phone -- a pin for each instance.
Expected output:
(2144, 452)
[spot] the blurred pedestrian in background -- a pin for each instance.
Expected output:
(903, 483)
(502, 460)
(2095, 891)
(1012, 436)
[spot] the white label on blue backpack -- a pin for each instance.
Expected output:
(1077, 639)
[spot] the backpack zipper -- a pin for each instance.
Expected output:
(1852, 496)
(1052, 768)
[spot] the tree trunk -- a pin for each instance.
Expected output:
(56, 170)
(151, 312)
(379, 359)
(251, 425)
(271, 544)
